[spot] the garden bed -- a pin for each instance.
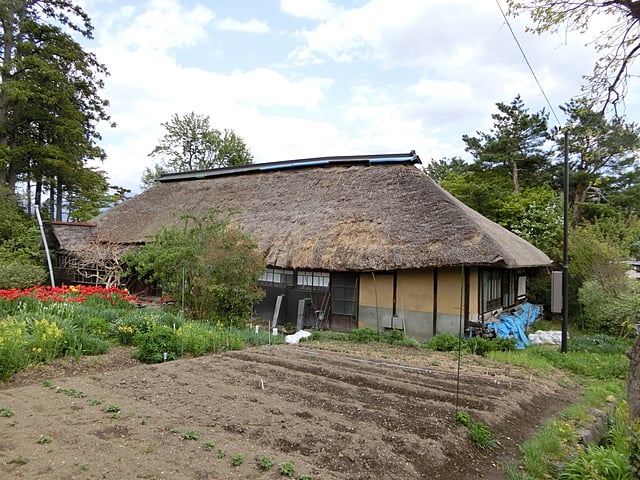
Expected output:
(373, 411)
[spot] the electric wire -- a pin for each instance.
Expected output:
(524, 56)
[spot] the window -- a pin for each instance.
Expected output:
(313, 279)
(501, 288)
(344, 287)
(509, 285)
(277, 276)
(491, 290)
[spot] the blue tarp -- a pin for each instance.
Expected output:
(513, 324)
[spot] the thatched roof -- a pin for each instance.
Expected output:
(71, 236)
(340, 216)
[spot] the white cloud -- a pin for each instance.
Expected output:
(252, 26)
(314, 9)
(160, 25)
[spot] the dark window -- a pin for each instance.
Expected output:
(344, 292)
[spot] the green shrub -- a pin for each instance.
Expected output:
(21, 275)
(79, 342)
(598, 343)
(443, 342)
(604, 312)
(365, 335)
(195, 338)
(13, 346)
(154, 344)
(598, 462)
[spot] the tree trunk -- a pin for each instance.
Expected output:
(59, 195)
(514, 176)
(633, 382)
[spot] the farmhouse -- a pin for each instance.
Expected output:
(350, 242)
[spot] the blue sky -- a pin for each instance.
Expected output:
(308, 78)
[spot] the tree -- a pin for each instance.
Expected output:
(603, 153)
(20, 256)
(618, 45)
(49, 97)
(190, 143)
(515, 144)
(212, 265)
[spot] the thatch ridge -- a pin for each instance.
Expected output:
(340, 218)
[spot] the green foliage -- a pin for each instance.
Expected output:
(195, 338)
(50, 97)
(190, 143)
(265, 463)
(482, 346)
(480, 432)
(213, 265)
(599, 343)
(237, 460)
(190, 435)
(607, 313)
(598, 462)
(393, 337)
(515, 146)
(286, 469)
(444, 342)
(157, 345)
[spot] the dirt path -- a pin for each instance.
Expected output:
(378, 413)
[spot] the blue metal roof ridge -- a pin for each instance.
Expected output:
(408, 158)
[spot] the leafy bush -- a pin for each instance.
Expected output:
(598, 462)
(443, 342)
(604, 312)
(154, 344)
(195, 338)
(212, 265)
(365, 335)
(479, 346)
(16, 274)
(13, 346)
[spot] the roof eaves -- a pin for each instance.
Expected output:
(408, 158)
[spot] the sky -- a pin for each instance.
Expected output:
(311, 78)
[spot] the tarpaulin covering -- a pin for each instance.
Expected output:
(513, 324)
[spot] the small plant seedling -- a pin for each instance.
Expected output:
(190, 435)
(95, 402)
(115, 415)
(222, 453)
(209, 444)
(304, 476)
(19, 460)
(5, 412)
(47, 383)
(112, 409)
(286, 469)
(72, 392)
(45, 439)
(175, 430)
(237, 460)
(150, 448)
(83, 466)
(265, 463)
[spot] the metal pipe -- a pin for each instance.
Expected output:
(565, 249)
(46, 246)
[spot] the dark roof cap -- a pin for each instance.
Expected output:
(397, 158)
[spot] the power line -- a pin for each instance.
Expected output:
(524, 55)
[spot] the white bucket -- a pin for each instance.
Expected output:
(275, 331)
(257, 328)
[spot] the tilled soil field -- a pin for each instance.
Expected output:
(332, 412)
